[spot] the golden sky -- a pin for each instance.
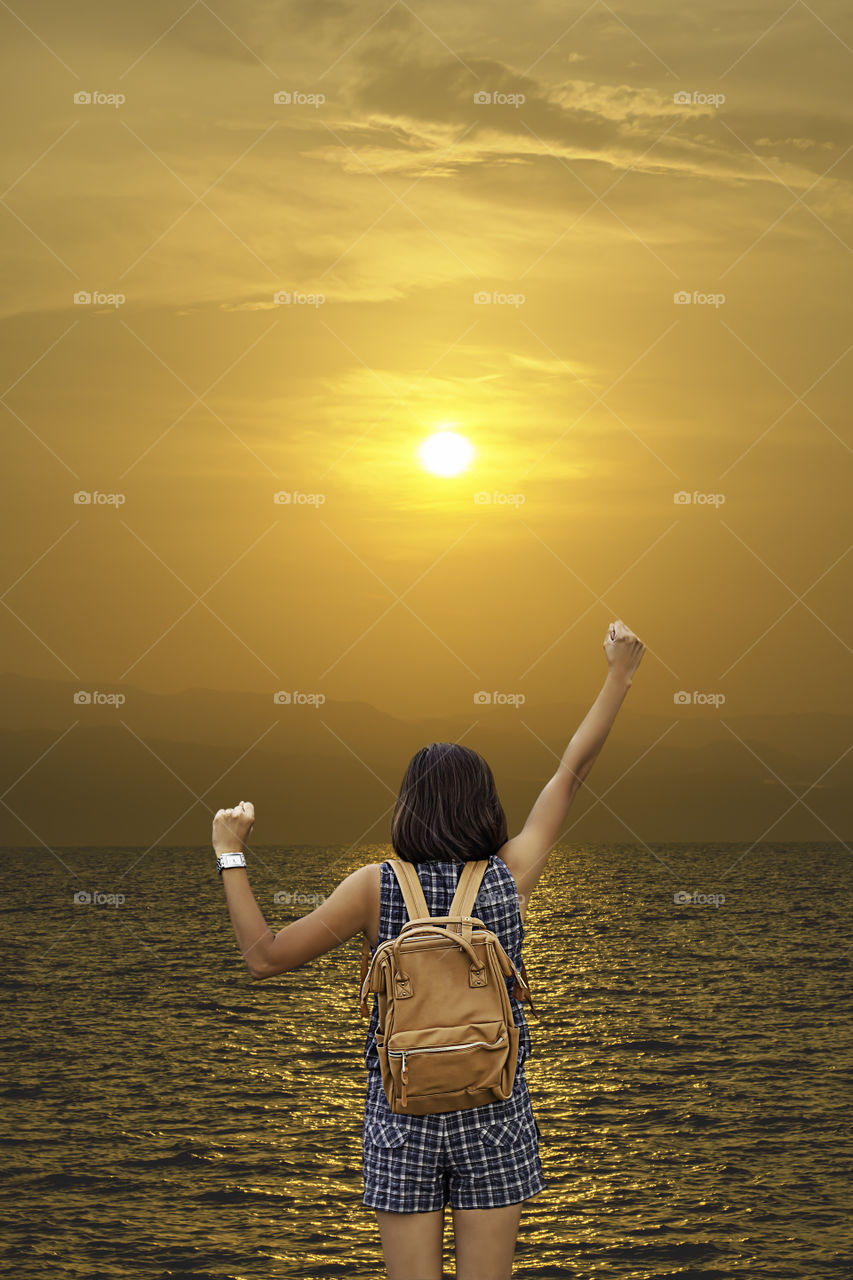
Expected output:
(580, 199)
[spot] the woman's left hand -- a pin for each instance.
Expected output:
(232, 826)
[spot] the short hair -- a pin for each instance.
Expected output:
(448, 808)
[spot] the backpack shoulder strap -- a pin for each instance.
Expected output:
(469, 881)
(365, 965)
(413, 894)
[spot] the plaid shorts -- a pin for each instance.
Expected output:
(482, 1158)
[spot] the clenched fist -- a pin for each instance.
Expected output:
(232, 826)
(622, 649)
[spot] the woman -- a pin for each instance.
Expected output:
(484, 1161)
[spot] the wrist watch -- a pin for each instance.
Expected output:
(226, 860)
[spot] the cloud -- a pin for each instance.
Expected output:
(553, 366)
(800, 144)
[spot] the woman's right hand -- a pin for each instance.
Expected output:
(622, 649)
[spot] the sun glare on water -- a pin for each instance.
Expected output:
(446, 453)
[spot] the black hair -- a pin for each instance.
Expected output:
(448, 808)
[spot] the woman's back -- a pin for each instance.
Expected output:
(496, 905)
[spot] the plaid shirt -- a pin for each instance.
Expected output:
(496, 905)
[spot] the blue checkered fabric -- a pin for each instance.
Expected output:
(480, 1158)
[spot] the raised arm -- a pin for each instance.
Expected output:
(527, 853)
(349, 910)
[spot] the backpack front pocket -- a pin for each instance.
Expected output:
(439, 1060)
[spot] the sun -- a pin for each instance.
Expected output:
(446, 453)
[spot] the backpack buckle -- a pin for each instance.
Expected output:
(464, 928)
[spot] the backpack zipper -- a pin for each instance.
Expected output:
(443, 1048)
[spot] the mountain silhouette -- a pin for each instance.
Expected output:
(153, 769)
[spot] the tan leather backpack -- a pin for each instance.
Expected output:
(446, 1036)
